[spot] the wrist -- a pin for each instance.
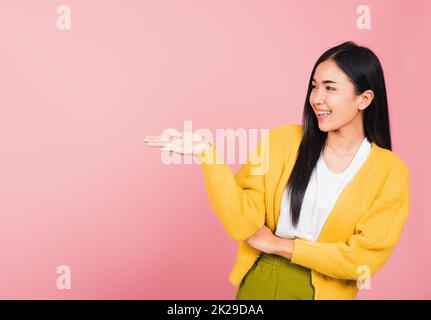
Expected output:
(200, 149)
(284, 247)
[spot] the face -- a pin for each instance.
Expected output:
(333, 98)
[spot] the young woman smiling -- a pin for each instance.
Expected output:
(331, 207)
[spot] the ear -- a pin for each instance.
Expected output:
(365, 99)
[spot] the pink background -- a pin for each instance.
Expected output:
(77, 187)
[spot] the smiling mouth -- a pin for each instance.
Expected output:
(322, 115)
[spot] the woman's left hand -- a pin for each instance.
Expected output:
(264, 240)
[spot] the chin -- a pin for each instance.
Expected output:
(324, 127)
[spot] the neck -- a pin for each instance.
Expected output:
(345, 141)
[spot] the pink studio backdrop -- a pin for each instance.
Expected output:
(77, 186)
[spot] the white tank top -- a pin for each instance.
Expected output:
(320, 196)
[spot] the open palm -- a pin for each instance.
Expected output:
(185, 143)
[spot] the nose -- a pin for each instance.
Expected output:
(318, 97)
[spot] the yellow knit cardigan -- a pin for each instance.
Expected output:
(360, 232)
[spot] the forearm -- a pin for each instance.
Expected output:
(238, 200)
(284, 247)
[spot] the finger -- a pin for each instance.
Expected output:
(155, 138)
(174, 132)
(166, 149)
(171, 133)
(174, 148)
(180, 149)
(156, 144)
(153, 141)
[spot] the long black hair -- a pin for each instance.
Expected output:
(363, 68)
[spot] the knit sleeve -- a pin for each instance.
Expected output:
(238, 200)
(374, 238)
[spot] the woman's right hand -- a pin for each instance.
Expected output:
(184, 143)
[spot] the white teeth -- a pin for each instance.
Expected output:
(323, 112)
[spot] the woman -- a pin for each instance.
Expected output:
(331, 207)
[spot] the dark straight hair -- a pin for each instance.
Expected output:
(363, 68)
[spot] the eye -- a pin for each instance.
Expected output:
(331, 88)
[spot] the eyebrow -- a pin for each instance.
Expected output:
(325, 81)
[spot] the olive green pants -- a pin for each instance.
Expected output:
(273, 277)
